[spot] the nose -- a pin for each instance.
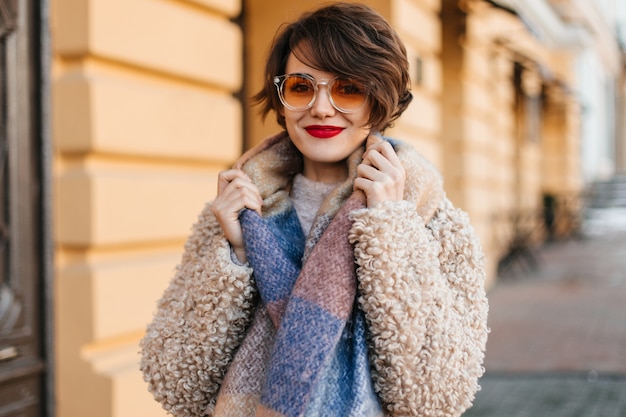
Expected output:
(322, 107)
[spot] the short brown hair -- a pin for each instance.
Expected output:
(350, 40)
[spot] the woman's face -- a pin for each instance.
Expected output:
(324, 135)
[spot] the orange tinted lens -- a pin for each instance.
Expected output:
(298, 91)
(348, 94)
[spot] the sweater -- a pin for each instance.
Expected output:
(307, 197)
(420, 275)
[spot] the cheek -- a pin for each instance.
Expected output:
(362, 118)
(362, 121)
(292, 117)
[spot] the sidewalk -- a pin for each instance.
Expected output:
(557, 346)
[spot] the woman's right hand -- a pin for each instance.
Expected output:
(235, 191)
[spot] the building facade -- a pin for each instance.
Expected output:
(117, 116)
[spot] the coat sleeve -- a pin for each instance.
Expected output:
(199, 323)
(421, 286)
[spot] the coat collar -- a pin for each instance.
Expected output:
(273, 163)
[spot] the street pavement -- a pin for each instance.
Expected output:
(557, 346)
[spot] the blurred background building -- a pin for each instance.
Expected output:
(117, 115)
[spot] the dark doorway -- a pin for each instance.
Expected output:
(23, 367)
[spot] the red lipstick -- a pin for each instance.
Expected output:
(323, 132)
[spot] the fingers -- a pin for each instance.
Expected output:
(382, 156)
(237, 197)
(236, 191)
(381, 174)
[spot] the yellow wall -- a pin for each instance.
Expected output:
(492, 168)
(477, 134)
(419, 26)
(143, 118)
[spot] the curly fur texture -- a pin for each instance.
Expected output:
(199, 324)
(421, 288)
(421, 284)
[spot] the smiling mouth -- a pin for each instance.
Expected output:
(324, 132)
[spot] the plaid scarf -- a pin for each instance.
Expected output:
(305, 353)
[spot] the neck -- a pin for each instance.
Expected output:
(328, 173)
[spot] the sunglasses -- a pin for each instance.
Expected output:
(298, 92)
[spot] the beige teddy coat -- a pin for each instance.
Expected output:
(420, 275)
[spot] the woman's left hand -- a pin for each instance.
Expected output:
(380, 175)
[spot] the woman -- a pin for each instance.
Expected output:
(330, 276)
